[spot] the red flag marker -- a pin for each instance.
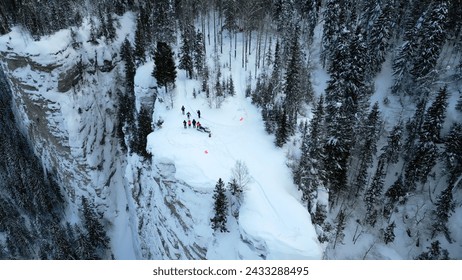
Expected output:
(241, 119)
(206, 152)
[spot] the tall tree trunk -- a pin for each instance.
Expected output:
(230, 48)
(235, 45)
(243, 49)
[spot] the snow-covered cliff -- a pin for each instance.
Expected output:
(65, 100)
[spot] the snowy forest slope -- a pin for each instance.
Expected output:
(363, 98)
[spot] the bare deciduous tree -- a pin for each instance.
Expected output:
(241, 175)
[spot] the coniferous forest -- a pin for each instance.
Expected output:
(377, 152)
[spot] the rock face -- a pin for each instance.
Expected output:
(168, 220)
(66, 107)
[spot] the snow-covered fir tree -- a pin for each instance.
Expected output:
(220, 207)
(165, 68)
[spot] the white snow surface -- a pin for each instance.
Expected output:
(272, 214)
(273, 222)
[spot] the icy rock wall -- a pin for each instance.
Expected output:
(66, 107)
(171, 224)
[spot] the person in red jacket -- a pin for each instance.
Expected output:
(189, 123)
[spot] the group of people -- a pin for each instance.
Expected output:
(188, 114)
(194, 123)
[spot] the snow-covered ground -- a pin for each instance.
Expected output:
(271, 212)
(272, 224)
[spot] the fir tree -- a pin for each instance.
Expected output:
(389, 235)
(126, 113)
(231, 89)
(93, 33)
(427, 152)
(164, 68)
(361, 178)
(330, 30)
(140, 43)
(144, 128)
(64, 249)
(186, 60)
(397, 191)
(270, 117)
(205, 81)
(459, 102)
(454, 22)
(230, 13)
(413, 127)
(402, 65)
(102, 29)
(309, 175)
(320, 214)
(432, 38)
(199, 54)
(317, 131)
(95, 232)
(381, 33)
(302, 173)
(277, 66)
(445, 206)
(337, 153)
(219, 219)
(419, 167)
(282, 133)
(163, 24)
(236, 198)
(373, 195)
(292, 90)
(285, 17)
(309, 11)
(434, 253)
(367, 144)
(346, 100)
(110, 28)
(452, 152)
(434, 118)
(419, 53)
(130, 69)
(391, 151)
(371, 11)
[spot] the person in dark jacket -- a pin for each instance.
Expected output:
(188, 114)
(182, 109)
(199, 114)
(194, 123)
(184, 123)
